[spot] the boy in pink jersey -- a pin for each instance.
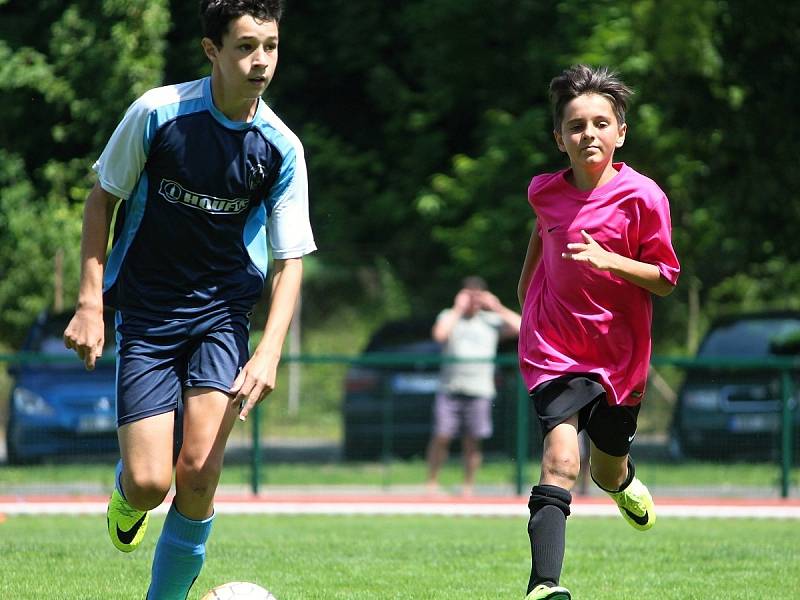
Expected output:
(601, 247)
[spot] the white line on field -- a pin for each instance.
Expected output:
(414, 508)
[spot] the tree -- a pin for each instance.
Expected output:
(423, 123)
(64, 88)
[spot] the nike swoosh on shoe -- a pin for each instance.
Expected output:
(126, 537)
(637, 519)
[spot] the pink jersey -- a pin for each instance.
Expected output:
(577, 319)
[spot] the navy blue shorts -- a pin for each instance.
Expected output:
(157, 361)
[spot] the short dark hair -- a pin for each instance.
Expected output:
(216, 15)
(582, 79)
(474, 282)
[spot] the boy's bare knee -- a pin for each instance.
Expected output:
(560, 469)
(145, 492)
(198, 477)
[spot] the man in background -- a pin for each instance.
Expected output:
(469, 333)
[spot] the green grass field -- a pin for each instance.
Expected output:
(723, 476)
(425, 558)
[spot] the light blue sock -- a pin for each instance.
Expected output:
(118, 478)
(179, 556)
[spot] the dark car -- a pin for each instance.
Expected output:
(388, 407)
(56, 406)
(737, 413)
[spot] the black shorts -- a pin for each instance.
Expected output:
(611, 428)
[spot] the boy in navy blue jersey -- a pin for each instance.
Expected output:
(210, 179)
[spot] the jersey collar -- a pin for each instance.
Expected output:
(219, 116)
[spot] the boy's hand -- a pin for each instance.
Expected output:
(590, 253)
(86, 335)
(254, 382)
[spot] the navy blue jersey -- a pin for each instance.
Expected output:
(206, 200)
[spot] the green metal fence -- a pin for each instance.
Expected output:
(786, 367)
(518, 442)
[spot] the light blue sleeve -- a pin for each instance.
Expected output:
(290, 234)
(122, 161)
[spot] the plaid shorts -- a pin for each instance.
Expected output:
(460, 413)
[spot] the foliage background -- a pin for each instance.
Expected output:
(423, 122)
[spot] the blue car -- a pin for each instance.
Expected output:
(57, 407)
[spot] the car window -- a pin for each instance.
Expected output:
(48, 337)
(404, 336)
(748, 337)
(418, 347)
(52, 345)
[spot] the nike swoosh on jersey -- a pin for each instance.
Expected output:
(126, 537)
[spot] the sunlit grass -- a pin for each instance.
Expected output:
(430, 558)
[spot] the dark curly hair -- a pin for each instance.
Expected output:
(582, 79)
(215, 15)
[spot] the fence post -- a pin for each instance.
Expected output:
(522, 436)
(787, 426)
(255, 456)
(387, 430)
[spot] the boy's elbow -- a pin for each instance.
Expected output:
(664, 289)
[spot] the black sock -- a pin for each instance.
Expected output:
(547, 526)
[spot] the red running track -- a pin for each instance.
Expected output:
(388, 504)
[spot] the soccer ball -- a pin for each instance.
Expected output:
(238, 590)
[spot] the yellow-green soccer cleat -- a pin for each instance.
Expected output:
(545, 592)
(636, 505)
(126, 525)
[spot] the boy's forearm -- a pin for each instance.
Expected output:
(645, 275)
(286, 280)
(97, 214)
